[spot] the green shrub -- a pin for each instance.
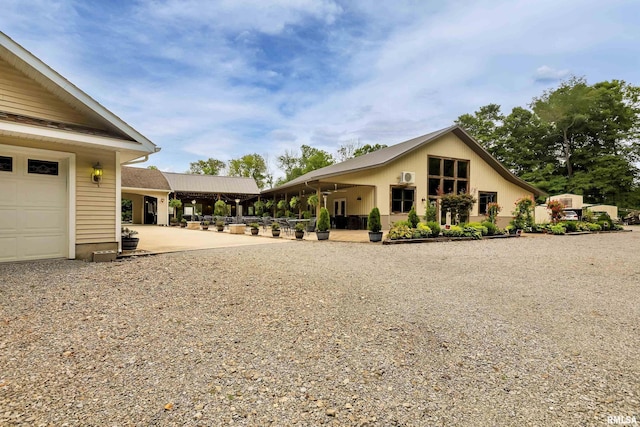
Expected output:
(413, 218)
(492, 229)
(604, 225)
(588, 215)
(400, 231)
(472, 232)
(435, 228)
(431, 213)
(220, 208)
(306, 214)
(570, 226)
(404, 223)
(373, 223)
(323, 223)
(454, 231)
(421, 231)
(593, 227)
(558, 229)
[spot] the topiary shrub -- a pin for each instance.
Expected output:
(373, 223)
(323, 223)
(413, 218)
(220, 208)
(431, 213)
(435, 228)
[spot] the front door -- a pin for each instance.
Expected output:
(340, 213)
(150, 210)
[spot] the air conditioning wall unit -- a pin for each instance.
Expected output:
(407, 177)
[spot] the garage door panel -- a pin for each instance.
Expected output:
(8, 248)
(8, 191)
(8, 221)
(41, 246)
(42, 192)
(37, 220)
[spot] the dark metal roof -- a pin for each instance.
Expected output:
(194, 183)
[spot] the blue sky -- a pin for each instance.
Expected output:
(231, 77)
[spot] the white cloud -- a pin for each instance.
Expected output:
(547, 74)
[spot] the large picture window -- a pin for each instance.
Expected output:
(484, 198)
(447, 176)
(402, 199)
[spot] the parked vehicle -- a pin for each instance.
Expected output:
(570, 216)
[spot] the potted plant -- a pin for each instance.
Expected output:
(174, 204)
(220, 225)
(204, 225)
(183, 223)
(323, 224)
(374, 225)
(254, 228)
(173, 221)
(129, 242)
(275, 229)
(299, 230)
(220, 208)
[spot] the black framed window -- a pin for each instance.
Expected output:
(447, 176)
(42, 167)
(402, 199)
(484, 198)
(6, 164)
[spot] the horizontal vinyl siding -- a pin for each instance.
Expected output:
(23, 96)
(482, 176)
(95, 206)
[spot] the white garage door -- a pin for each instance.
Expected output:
(33, 207)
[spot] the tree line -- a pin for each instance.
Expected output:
(575, 138)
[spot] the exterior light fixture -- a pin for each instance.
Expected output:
(96, 175)
(237, 211)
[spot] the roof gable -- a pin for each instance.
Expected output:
(386, 155)
(33, 68)
(151, 179)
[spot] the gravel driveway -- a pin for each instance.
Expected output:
(531, 331)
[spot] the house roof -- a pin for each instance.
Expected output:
(151, 179)
(119, 135)
(385, 155)
(194, 183)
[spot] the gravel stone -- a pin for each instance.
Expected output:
(540, 330)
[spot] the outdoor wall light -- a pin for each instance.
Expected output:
(96, 175)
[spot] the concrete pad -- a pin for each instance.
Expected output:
(157, 239)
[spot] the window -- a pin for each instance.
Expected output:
(6, 164)
(484, 198)
(402, 199)
(42, 167)
(447, 176)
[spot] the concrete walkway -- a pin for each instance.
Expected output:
(157, 239)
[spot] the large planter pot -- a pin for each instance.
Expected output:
(220, 227)
(322, 235)
(299, 234)
(130, 243)
(204, 227)
(275, 233)
(254, 231)
(375, 236)
(183, 225)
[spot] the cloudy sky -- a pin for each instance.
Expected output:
(224, 78)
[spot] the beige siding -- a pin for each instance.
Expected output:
(23, 96)
(95, 205)
(482, 177)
